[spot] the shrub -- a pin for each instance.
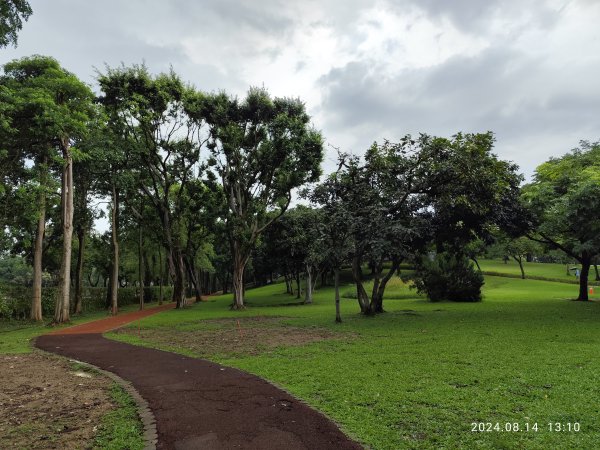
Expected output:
(448, 277)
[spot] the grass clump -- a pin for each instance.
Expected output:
(120, 428)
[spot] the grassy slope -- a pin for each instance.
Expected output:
(417, 376)
(555, 271)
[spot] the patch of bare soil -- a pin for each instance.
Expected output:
(48, 403)
(236, 337)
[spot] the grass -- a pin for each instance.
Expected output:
(120, 428)
(548, 271)
(16, 335)
(421, 374)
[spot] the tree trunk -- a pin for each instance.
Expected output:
(476, 263)
(361, 293)
(79, 271)
(308, 290)
(62, 310)
(298, 284)
(520, 261)
(141, 262)
(597, 274)
(194, 279)
(583, 279)
(178, 279)
(239, 264)
(336, 277)
(377, 299)
(160, 282)
(114, 276)
(36, 301)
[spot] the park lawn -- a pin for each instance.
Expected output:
(555, 272)
(16, 336)
(419, 375)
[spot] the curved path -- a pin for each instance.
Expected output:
(198, 404)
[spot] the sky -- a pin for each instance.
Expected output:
(526, 70)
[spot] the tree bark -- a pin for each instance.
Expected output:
(377, 299)
(178, 275)
(36, 301)
(336, 277)
(298, 284)
(160, 282)
(79, 271)
(62, 309)
(597, 274)
(114, 276)
(520, 261)
(308, 294)
(141, 262)
(240, 258)
(361, 293)
(583, 278)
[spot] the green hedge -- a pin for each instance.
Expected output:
(15, 300)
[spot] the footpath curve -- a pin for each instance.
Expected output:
(198, 404)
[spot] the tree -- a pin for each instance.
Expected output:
(564, 200)
(152, 113)
(518, 249)
(12, 15)
(51, 111)
(262, 148)
(334, 230)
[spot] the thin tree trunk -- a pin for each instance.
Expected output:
(114, 277)
(336, 277)
(79, 271)
(597, 274)
(476, 263)
(178, 279)
(298, 284)
(62, 310)
(36, 301)
(308, 292)
(160, 283)
(141, 262)
(583, 279)
(519, 260)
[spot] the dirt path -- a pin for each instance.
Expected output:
(198, 404)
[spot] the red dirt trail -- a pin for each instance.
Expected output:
(199, 404)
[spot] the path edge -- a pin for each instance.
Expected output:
(145, 414)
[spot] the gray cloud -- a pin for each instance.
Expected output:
(527, 71)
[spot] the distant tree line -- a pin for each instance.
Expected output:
(196, 188)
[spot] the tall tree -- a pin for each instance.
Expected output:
(564, 199)
(262, 148)
(12, 15)
(52, 108)
(151, 111)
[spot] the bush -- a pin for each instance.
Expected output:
(448, 277)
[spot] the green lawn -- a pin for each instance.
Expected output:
(16, 335)
(534, 269)
(421, 374)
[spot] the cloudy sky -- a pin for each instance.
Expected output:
(527, 70)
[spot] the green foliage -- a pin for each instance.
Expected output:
(12, 15)
(448, 277)
(15, 300)
(120, 428)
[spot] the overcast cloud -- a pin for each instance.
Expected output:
(527, 70)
